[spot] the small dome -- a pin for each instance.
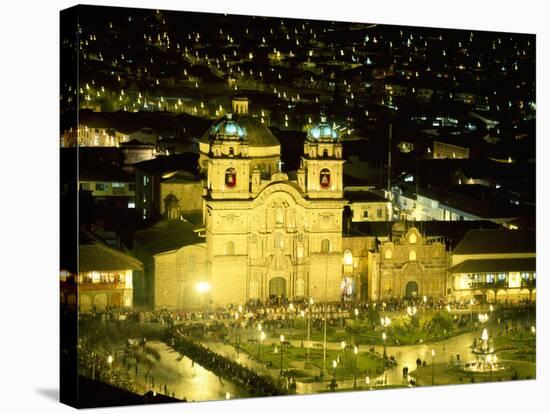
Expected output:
(322, 131)
(226, 128)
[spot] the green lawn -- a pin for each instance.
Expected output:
(294, 359)
(372, 337)
(516, 346)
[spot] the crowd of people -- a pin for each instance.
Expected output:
(180, 339)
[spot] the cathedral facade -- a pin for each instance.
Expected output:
(266, 235)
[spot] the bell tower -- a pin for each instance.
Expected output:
(228, 161)
(322, 163)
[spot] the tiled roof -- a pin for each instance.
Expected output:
(495, 265)
(96, 256)
(497, 241)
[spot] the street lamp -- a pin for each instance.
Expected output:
(433, 365)
(259, 334)
(303, 316)
(356, 311)
(334, 364)
(310, 303)
(385, 355)
(355, 351)
(110, 362)
(237, 330)
(367, 381)
(282, 339)
(491, 309)
(290, 310)
(343, 346)
(202, 289)
(262, 339)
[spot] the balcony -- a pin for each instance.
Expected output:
(88, 285)
(528, 284)
(497, 284)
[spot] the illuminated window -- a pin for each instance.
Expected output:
(300, 285)
(501, 277)
(412, 255)
(254, 289)
(388, 253)
(412, 238)
(230, 177)
(278, 240)
(490, 278)
(279, 216)
(324, 178)
(229, 248)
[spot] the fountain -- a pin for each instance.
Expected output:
(486, 359)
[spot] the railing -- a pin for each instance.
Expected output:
(101, 285)
(497, 284)
(528, 284)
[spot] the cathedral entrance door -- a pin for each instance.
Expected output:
(411, 290)
(277, 287)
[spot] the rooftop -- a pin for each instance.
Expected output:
(497, 242)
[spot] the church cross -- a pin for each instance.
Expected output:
(280, 165)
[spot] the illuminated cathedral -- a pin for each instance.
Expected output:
(265, 235)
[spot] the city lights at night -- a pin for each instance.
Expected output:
(278, 206)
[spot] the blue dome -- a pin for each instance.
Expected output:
(226, 128)
(322, 131)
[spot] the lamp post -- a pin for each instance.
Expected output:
(303, 316)
(367, 381)
(310, 303)
(385, 322)
(259, 338)
(290, 311)
(343, 346)
(433, 365)
(282, 339)
(203, 288)
(237, 330)
(334, 364)
(110, 362)
(491, 309)
(262, 339)
(355, 351)
(385, 355)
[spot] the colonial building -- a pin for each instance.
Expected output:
(268, 236)
(491, 265)
(408, 266)
(265, 235)
(104, 278)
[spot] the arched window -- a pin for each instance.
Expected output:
(325, 153)
(412, 238)
(325, 246)
(412, 255)
(191, 262)
(324, 178)
(278, 240)
(279, 216)
(300, 291)
(388, 253)
(230, 177)
(254, 289)
(231, 151)
(229, 248)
